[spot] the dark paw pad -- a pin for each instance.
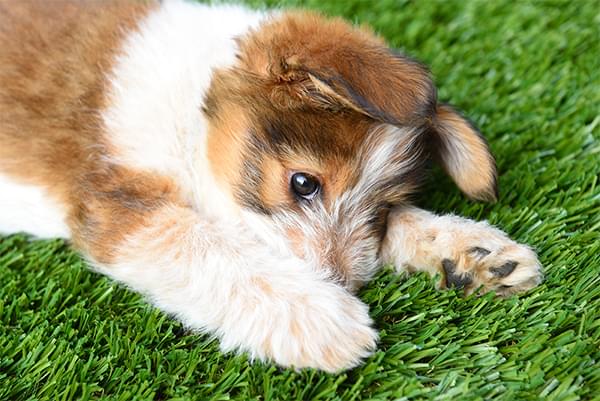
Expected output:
(479, 252)
(453, 279)
(505, 269)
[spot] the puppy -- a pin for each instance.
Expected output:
(246, 171)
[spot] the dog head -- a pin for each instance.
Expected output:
(319, 129)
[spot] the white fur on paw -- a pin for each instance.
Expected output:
(328, 330)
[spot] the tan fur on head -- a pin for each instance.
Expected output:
(311, 89)
(302, 60)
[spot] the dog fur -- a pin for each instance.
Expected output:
(161, 138)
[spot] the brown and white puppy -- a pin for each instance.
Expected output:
(245, 171)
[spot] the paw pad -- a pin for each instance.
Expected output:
(505, 269)
(479, 252)
(455, 280)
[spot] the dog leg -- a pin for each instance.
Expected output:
(466, 253)
(222, 280)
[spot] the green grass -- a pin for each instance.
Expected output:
(528, 73)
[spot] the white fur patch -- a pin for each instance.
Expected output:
(390, 153)
(157, 90)
(28, 208)
(273, 306)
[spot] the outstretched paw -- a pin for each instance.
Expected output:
(470, 255)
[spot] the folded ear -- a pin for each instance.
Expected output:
(308, 59)
(464, 154)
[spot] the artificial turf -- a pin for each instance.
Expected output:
(528, 73)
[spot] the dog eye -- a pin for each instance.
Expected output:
(305, 185)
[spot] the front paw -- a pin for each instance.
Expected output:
(324, 328)
(490, 261)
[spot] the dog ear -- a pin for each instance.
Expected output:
(309, 59)
(464, 154)
(388, 93)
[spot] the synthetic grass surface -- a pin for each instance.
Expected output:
(528, 74)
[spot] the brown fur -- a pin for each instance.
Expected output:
(227, 143)
(54, 56)
(290, 119)
(465, 155)
(304, 48)
(275, 143)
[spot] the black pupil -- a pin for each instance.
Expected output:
(304, 184)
